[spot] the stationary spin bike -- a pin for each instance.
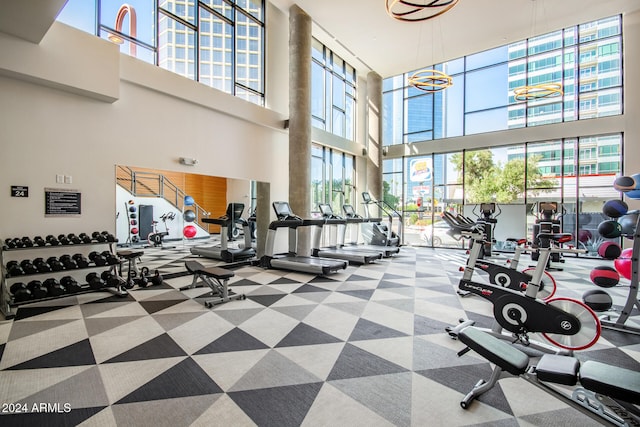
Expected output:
(155, 237)
(566, 323)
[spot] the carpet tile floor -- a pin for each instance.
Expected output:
(363, 347)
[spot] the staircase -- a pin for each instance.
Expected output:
(150, 184)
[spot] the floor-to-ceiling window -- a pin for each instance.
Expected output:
(333, 92)
(219, 43)
(586, 60)
(575, 173)
(332, 178)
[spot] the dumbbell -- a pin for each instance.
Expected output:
(55, 264)
(64, 240)
(17, 242)
(97, 259)
(84, 237)
(70, 284)
(8, 243)
(81, 260)
(111, 280)
(20, 292)
(111, 258)
(54, 288)
(28, 243)
(41, 265)
(14, 269)
(50, 239)
(108, 236)
(28, 267)
(74, 239)
(157, 279)
(98, 237)
(68, 262)
(39, 241)
(94, 281)
(37, 289)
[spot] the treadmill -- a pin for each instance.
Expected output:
(335, 250)
(352, 219)
(291, 260)
(223, 251)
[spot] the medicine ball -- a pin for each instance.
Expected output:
(609, 250)
(132, 208)
(615, 208)
(188, 201)
(190, 231)
(604, 276)
(597, 300)
(627, 183)
(610, 229)
(624, 262)
(189, 215)
(584, 236)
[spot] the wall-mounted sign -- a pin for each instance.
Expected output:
(19, 191)
(61, 202)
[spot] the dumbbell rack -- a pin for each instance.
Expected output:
(7, 303)
(632, 299)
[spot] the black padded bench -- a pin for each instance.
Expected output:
(216, 278)
(609, 382)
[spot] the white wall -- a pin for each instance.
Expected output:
(48, 128)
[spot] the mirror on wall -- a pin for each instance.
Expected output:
(151, 202)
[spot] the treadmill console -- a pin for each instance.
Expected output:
(283, 211)
(366, 197)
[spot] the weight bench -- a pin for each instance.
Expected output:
(605, 392)
(215, 278)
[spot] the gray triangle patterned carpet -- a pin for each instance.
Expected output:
(363, 347)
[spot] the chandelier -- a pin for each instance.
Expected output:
(539, 91)
(430, 80)
(412, 11)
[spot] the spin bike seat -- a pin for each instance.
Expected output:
(556, 237)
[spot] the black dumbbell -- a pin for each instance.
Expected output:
(14, 269)
(94, 281)
(55, 264)
(97, 259)
(84, 237)
(70, 284)
(8, 243)
(81, 260)
(111, 258)
(28, 243)
(20, 292)
(98, 237)
(54, 288)
(18, 243)
(157, 279)
(74, 239)
(68, 262)
(64, 240)
(41, 265)
(39, 241)
(50, 239)
(108, 236)
(38, 290)
(28, 267)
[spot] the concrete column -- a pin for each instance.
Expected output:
(300, 120)
(374, 135)
(263, 215)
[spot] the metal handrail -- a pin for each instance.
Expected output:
(152, 184)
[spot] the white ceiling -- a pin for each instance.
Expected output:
(363, 33)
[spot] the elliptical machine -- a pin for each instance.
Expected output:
(546, 223)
